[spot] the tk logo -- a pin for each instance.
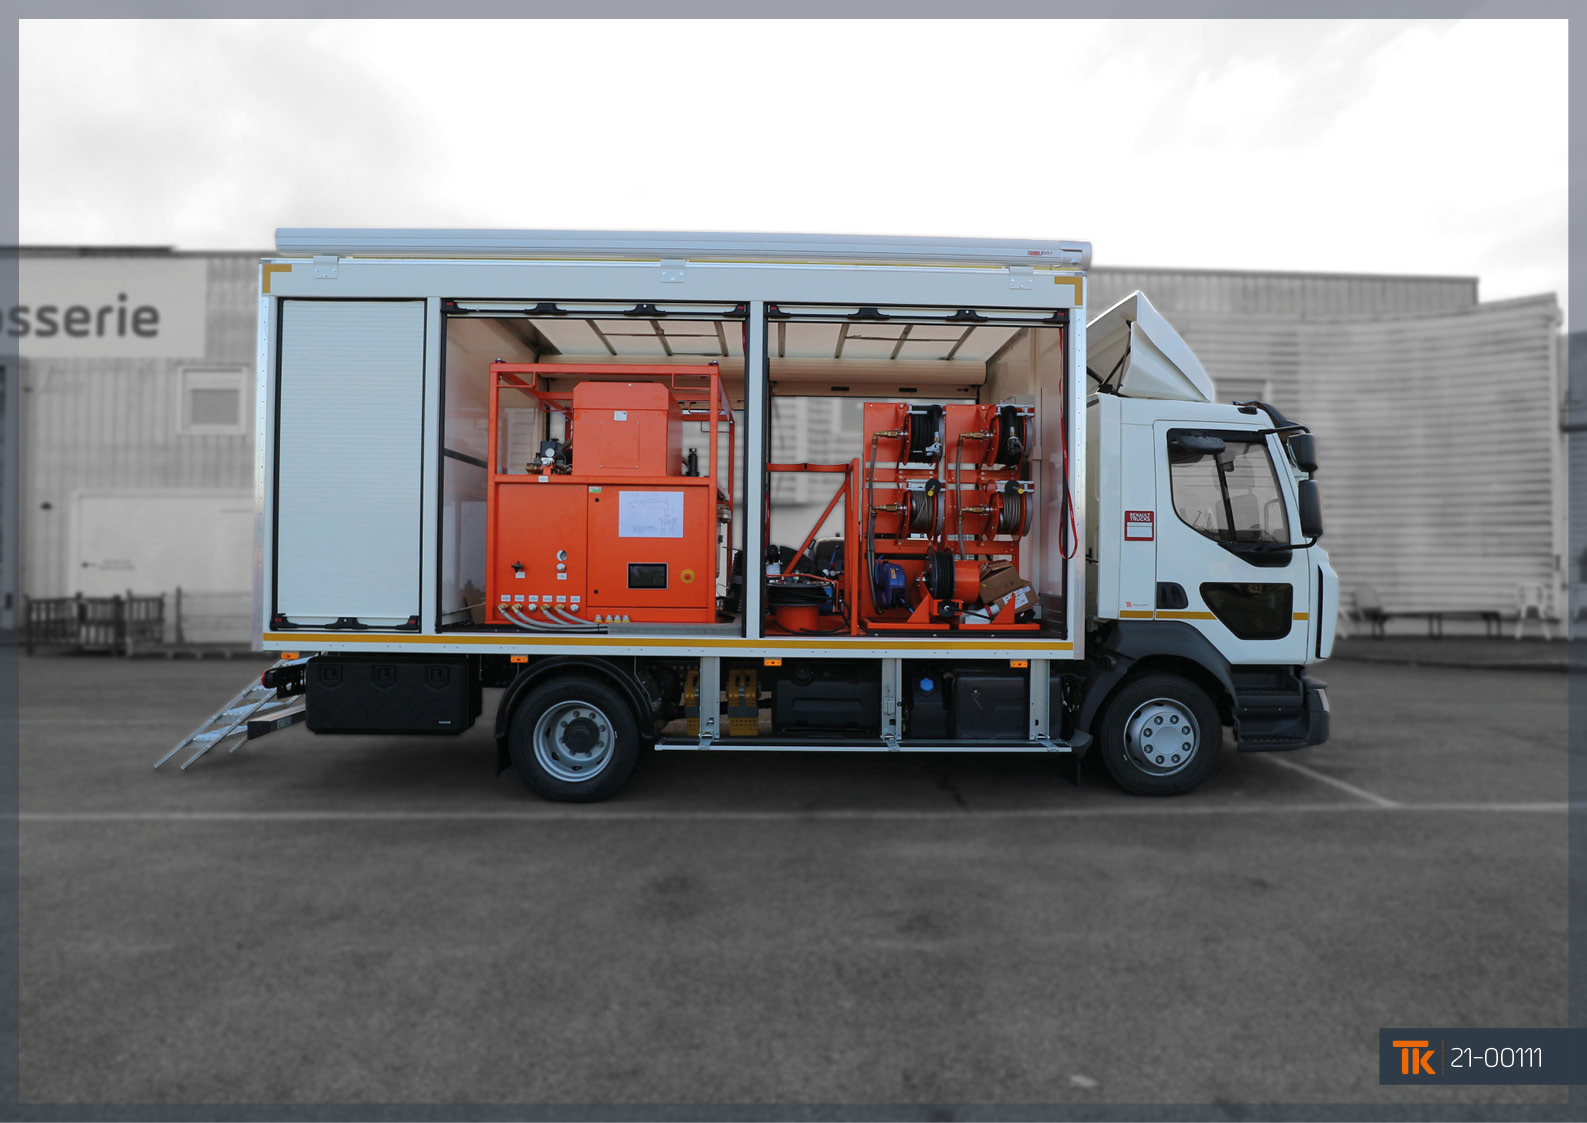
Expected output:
(1415, 1058)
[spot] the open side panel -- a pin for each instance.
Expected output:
(349, 462)
(583, 427)
(947, 477)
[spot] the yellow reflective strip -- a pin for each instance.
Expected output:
(307, 639)
(265, 273)
(1163, 615)
(1300, 616)
(1135, 613)
(1077, 284)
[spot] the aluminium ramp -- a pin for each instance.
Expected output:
(248, 715)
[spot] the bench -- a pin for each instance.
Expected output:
(1492, 621)
(1370, 611)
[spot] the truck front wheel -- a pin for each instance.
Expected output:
(573, 739)
(1161, 736)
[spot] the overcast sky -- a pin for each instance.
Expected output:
(1377, 146)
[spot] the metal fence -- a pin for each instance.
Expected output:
(173, 623)
(119, 625)
(211, 619)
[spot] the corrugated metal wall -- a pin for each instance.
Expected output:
(1438, 438)
(1575, 363)
(97, 423)
(1177, 292)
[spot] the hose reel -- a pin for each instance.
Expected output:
(925, 434)
(938, 574)
(1013, 510)
(925, 508)
(1013, 435)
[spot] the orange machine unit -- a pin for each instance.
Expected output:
(940, 502)
(603, 526)
(946, 489)
(628, 428)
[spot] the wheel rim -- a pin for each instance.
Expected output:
(573, 741)
(1162, 737)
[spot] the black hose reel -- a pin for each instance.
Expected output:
(925, 434)
(937, 575)
(1013, 435)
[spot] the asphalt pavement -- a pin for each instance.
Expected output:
(383, 920)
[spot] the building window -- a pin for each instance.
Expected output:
(213, 401)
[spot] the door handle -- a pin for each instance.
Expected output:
(1171, 595)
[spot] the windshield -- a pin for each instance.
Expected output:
(1230, 496)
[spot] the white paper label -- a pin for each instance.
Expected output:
(650, 514)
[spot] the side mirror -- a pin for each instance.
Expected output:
(1310, 502)
(1303, 449)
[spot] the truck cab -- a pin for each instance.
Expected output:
(1204, 572)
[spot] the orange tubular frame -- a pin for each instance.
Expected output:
(697, 389)
(849, 581)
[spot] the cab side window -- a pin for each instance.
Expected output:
(1230, 496)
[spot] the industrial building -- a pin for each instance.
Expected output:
(1439, 420)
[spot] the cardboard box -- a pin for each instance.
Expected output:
(1021, 599)
(999, 579)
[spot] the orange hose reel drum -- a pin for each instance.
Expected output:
(798, 617)
(966, 581)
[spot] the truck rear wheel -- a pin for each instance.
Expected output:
(574, 740)
(1161, 736)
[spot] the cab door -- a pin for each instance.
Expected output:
(1229, 557)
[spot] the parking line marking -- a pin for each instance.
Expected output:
(1359, 793)
(96, 721)
(790, 815)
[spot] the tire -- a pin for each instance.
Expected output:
(1149, 706)
(574, 740)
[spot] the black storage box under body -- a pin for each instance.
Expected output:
(827, 701)
(990, 706)
(391, 694)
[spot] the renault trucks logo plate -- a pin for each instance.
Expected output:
(1138, 526)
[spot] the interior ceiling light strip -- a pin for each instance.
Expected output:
(616, 308)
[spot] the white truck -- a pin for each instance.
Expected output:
(583, 468)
